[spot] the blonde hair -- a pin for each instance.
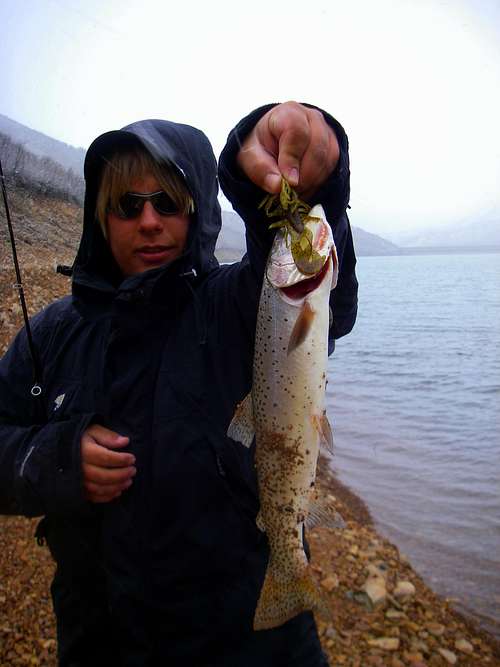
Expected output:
(133, 163)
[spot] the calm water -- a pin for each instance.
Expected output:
(414, 393)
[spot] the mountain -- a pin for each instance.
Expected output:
(366, 244)
(231, 241)
(481, 232)
(42, 145)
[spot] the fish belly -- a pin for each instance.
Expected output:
(288, 400)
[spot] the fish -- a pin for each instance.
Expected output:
(285, 411)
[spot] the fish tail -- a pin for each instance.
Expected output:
(283, 598)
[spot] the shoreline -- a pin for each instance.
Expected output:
(416, 629)
(395, 630)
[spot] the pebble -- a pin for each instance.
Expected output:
(411, 658)
(394, 614)
(464, 646)
(436, 629)
(449, 656)
(378, 569)
(376, 590)
(385, 643)
(396, 662)
(404, 589)
(331, 582)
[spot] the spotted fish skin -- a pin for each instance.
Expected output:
(286, 411)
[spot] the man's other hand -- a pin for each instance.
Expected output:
(106, 472)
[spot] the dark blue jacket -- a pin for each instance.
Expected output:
(173, 567)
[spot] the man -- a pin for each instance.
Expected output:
(149, 507)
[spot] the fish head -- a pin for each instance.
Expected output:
(282, 271)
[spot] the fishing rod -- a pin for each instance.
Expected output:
(36, 389)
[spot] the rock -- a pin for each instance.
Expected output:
(360, 597)
(436, 629)
(376, 590)
(394, 614)
(464, 646)
(385, 643)
(420, 646)
(396, 662)
(377, 569)
(374, 661)
(449, 656)
(412, 657)
(330, 582)
(404, 589)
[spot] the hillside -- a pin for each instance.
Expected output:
(45, 228)
(42, 145)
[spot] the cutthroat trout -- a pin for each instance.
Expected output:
(286, 412)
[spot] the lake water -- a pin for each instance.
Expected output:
(414, 397)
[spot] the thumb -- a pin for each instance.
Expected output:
(292, 146)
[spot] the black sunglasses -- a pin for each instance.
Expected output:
(130, 204)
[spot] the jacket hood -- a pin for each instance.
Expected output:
(188, 150)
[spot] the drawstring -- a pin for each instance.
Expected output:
(201, 325)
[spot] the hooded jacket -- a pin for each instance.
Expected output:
(173, 567)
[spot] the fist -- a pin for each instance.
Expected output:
(106, 471)
(293, 141)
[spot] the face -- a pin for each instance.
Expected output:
(150, 240)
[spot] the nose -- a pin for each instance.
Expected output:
(149, 220)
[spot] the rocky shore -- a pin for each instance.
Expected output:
(382, 613)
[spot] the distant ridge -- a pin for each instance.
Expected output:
(42, 145)
(366, 244)
(231, 241)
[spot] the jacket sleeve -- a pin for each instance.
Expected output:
(40, 470)
(333, 196)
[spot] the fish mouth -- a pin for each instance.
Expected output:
(304, 287)
(283, 272)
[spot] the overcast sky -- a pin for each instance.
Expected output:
(416, 84)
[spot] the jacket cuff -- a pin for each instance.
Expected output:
(50, 477)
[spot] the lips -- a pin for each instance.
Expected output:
(153, 254)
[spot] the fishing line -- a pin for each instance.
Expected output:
(36, 389)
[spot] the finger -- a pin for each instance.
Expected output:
(321, 156)
(106, 437)
(107, 476)
(257, 160)
(97, 455)
(100, 494)
(289, 125)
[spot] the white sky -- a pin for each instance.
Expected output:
(416, 84)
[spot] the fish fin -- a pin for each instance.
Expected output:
(260, 522)
(301, 327)
(242, 427)
(319, 515)
(283, 598)
(335, 261)
(322, 426)
(326, 434)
